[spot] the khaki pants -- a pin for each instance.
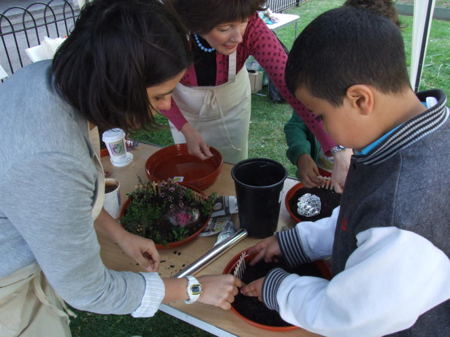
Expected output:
(29, 307)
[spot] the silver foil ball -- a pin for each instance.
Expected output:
(308, 205)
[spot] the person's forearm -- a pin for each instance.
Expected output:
(175, 289)
(274, 66)
(108, 227)
(381, 277)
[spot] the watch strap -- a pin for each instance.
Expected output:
(193, 290)
(336, 149)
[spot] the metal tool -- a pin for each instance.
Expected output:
(212, 254)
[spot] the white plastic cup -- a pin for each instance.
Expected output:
(112, 197)
(115, 143)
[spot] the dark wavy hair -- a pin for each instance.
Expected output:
(201, 16)
(347, 46)
(117, 49)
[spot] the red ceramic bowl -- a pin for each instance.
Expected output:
(175, 243)
(322, 266)
(175, 161)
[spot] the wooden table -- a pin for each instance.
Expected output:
(283, 20)
(211, 319)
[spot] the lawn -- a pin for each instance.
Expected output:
(266, 140)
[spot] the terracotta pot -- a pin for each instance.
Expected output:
(329, 199)
(175, 243)
(289, 195)
(322, 266)
(175, 161)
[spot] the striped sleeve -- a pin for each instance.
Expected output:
(270, 287)
(291, 247)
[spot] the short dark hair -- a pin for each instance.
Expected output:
(116, 50)
(201, 16)
(347, 46)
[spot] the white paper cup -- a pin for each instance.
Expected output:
(115, 143)
(112, 197)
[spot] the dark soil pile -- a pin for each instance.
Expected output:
(252, 308)
(328, 198)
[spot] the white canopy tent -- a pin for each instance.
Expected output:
(423, 16)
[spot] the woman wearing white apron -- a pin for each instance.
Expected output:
(211, 107)
(52, 183)
(221, 114)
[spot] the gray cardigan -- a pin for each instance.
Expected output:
(47, 186)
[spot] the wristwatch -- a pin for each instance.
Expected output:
(194, 289)
(336, 149)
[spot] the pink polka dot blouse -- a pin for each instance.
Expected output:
(260, 42)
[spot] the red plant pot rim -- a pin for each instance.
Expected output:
(321, 265)
(289, 195)
(175, 243)
(201, 183)
(227, 270)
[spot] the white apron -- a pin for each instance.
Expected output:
(221, 114)
(29, 307)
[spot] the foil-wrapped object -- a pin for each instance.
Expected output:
(308, 205)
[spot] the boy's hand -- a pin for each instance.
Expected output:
(308, 172)
(219, 290)
(268, 249)
(253, 289)
(340, 169)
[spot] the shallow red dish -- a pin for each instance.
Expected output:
(322, 266)
(175, 161)
(175, 243)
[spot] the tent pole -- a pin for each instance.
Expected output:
(423, 17)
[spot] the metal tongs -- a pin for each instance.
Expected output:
(239, 270)
(326, 183)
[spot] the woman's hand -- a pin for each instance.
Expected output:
(308, 172)
(268, 249)
(195, 143)
(253, 289)
(142, 250)
(340, 169)
(219, 290)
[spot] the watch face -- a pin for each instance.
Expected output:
(196, 289)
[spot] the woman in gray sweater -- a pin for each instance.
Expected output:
(118, 66)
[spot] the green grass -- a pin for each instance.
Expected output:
(161, 325)
(266, 140)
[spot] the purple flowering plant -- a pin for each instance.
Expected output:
(166, 211)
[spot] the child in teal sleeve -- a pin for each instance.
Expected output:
(305, 152)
